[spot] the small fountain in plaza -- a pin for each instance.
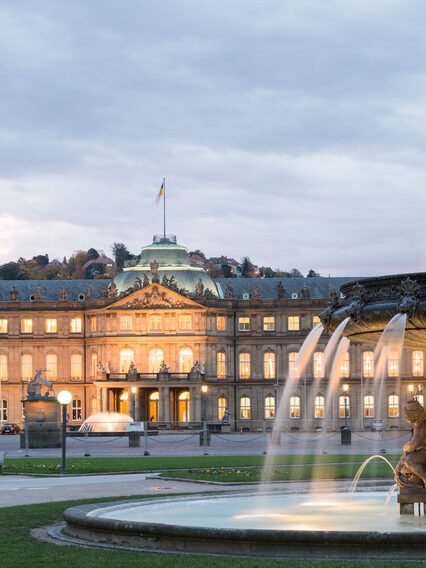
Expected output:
(327, 525)
(106, 422)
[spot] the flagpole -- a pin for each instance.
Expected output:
(164, 206)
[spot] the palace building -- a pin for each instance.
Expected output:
(145, 342)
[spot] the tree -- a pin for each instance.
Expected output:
(94, 269)
(92, 254)
(9, 271)
(312, 273)
(227, 271)
(42, 259)
(197, 252)
(247, 269)
(121, 253)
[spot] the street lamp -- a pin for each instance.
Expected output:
(345, 433)
(345, 398)
(64, 398)
(204, 390)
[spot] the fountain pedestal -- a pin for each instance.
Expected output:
(408, 496)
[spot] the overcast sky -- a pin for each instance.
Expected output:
(291, 131)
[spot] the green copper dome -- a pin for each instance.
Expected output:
(172, 260)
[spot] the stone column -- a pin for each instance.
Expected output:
(99, 402)
(166, 404)
(137, 396)
(192, 404)
(107, 395)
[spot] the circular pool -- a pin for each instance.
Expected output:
(335, 525)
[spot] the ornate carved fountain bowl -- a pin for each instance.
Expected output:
(372, 302)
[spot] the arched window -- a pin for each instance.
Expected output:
(221, 407)
(26, 366)
(244, 365)
(269, 407)
(368, 364)
(292, 356)
(269, 365)
(94, 365)
(51, 366)
(154, 399)
(418, 363)
(318, 365)
(3, 410)
(245, 406)
(220, 365)
(294, 407)
(184, 399)
(76, 409)
(344, 409)
(3, 367)
(368, 405)
(76, 366)
(155, 358)
(319, 406)
(393, 406)
(185, 360)
(126, 357)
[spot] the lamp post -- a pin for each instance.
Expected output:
(204, 390)
(345, 433)
(64, 398)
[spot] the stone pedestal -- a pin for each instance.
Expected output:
(408, 496)
(345, 436)
(42, 422)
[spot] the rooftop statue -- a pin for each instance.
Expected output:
(280, 290)
(229, 291)
(35, 385)
(411, 468)
(154, 271)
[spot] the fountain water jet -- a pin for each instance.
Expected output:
(106, 422)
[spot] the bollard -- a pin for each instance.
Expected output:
(86, 443)
(145, 437)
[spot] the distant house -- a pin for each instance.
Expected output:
(57, 263)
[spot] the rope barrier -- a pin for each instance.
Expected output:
(238, 441)
(95, 441)
(174, 441)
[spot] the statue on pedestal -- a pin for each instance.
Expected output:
(411, 468)
(35, 385)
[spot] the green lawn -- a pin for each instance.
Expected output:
(19, 549)
(105, 465)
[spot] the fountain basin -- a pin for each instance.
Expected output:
(372, 302)
(326, 525)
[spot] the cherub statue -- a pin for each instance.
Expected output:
(411, 468)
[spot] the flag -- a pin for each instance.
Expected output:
(160, 193)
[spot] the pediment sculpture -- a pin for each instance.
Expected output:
(153, 299)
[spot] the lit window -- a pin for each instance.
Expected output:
(126, 323)
(185, 322)
(26, 366)
(393, 364)
(244, 324)
(27, 326)
(418, 363)
(220, 365)
(51, 326)
(94, 323)
(154, 399)
(94, 365)
(294, 407)
(344, 406)
(185, 360)
(368, 405)
(269, 323)
(293, 323)
(220, 323)
(244, 365)
(315, 321)
(51, 367)
(368, 364)
(393, 406)
(3, 367)
(292, 357)
(319, 406)
(126, 358)
(76, 409)
(3, 410)
(155, 323)
(269, 407)
(344, 369)
(221, 407)
(76, 366)
(318, 365)
(245, 407)
(3, 325)
(269, 365)
(75, 325)
(184, 406)
(155, 358)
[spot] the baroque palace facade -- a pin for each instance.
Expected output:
(146, 342)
